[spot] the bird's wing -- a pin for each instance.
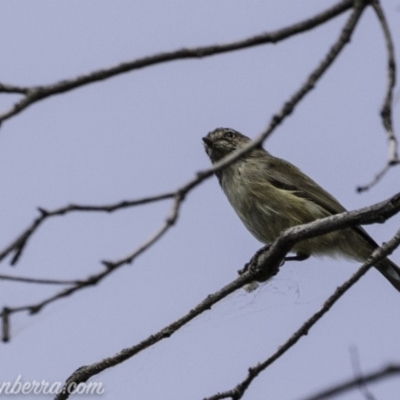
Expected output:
(286, 176)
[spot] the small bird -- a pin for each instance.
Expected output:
(270, 195)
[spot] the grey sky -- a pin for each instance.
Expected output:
(140, 134)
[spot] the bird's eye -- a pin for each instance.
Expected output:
(229, 135)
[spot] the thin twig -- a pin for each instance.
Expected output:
(35, 94)
(374, 181)
(110, 267)
(38, 281)
(169, 222)
(13, 89)
(386, 111)
(18, 245)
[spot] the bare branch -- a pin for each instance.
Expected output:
(19, 244)
(169, 222)
(376, 179)
(39, 281)
(110, 267)
(386, 111)
(35, 94)
(13, 89)
(35, 308)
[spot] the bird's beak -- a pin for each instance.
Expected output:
(207, 141)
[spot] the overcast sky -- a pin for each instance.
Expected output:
(139, 134)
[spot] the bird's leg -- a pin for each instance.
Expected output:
(298, 257)
(254, 260)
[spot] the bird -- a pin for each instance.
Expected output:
(270, 194)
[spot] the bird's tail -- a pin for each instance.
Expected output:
(390, 271)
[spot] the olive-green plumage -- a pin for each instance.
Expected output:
(270, 195)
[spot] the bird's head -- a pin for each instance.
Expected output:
(223, 141)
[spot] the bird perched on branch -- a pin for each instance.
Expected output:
(270, 195)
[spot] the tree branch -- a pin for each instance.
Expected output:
(94, 279)
(386, 111)
(35, 94)
(38, 281)
(18, 245)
